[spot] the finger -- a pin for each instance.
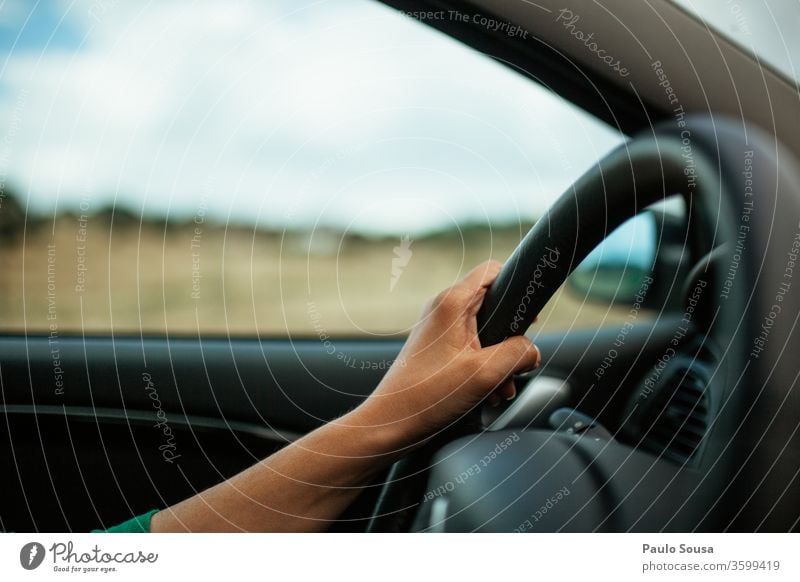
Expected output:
(514, 355)
(507, 390)
(481, 276)
(466, 296)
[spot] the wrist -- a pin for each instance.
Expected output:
(387, 435)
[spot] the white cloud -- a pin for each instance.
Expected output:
(159, 99)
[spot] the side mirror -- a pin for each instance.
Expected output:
(643, 261)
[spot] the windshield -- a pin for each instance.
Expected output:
(768, 29)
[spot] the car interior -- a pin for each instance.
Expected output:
(681, 414)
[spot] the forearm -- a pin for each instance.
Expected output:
(301, 488)
(444, 373)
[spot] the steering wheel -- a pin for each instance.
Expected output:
(701, 159)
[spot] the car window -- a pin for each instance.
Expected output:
(767, 29)
(285, 167)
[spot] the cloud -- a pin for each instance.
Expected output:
(296, 113)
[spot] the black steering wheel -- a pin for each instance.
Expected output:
(700, 159)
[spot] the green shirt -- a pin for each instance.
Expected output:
(139, 524)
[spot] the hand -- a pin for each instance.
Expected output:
(442, 371)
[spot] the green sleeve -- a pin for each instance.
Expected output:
(139, 524)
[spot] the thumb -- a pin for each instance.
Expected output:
(512, 356)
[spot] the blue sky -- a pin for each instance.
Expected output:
(285, 114)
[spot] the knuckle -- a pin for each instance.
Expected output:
(430, 306)
(519, 346)
(446, 302)
(494, 265)
(485, 375)
(486, 372)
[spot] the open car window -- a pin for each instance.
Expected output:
(264, 168)
(767, 30)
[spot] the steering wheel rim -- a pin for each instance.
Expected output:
(646, 170)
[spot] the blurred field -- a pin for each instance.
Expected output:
(190, 279)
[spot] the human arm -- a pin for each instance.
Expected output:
(441, 373)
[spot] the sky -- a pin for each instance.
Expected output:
(767, 28)
(284, 114)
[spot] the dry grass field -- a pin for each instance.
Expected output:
(80, 275)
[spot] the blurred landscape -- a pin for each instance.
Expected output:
(416, 156)
(110, 270)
